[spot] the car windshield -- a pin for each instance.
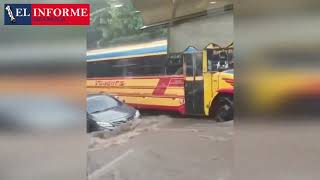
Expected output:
(101, 103)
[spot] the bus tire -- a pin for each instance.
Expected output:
(222, 109)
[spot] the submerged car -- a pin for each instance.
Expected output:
(105, 112)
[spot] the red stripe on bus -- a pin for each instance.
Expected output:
(228, 90)
(176, 82)
(161, 87)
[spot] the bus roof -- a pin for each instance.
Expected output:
(152, 48)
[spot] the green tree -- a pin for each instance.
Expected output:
(111, 25)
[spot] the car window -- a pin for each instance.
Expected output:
(101, 103)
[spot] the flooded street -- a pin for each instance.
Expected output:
(165, 147)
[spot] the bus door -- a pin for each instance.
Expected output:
(215, 59)
(193, 83)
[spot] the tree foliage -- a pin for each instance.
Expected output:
(111, 25)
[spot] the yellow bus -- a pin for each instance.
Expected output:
(193, 82)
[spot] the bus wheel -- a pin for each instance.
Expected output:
(223, 109)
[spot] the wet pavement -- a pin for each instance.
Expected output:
(165, 147)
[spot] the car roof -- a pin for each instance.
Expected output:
(97, 94)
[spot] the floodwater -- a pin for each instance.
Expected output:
(165, 147)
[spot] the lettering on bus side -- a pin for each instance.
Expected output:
(110, 83)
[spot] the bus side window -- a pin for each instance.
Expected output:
(119, 67)
(212, 63)
(188, 59)
(137, 66)
(90, 70)
(154, 65)
(174, 65)
(98, 69)
(146, 66)
(193, 64)
(198, 64)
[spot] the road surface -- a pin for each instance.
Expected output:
(165, 147)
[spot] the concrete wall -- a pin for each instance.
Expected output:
(200, 32)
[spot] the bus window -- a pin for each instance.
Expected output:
(188, 59)
(193, 64)
(174, 65)
(212, 61)
(110, 68)
(198, 64)
(121, 67)
(154, 65)
(146, 66)
(219, 59)
(138, 66)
